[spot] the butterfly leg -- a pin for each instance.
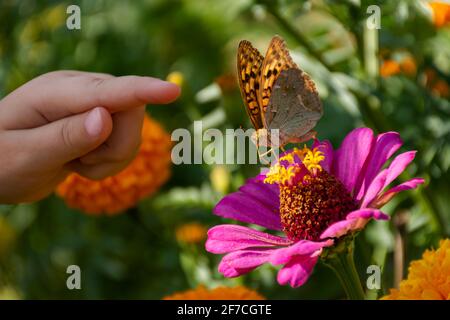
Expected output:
(262, 156)
(271, 150)
(312, 135)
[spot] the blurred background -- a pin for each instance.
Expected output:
(393, 78)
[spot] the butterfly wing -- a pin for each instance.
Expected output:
(249, 62)
(295, 106)
(276, 60)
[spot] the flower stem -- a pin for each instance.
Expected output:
(343, 264)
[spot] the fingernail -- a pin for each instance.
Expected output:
(167, 84)
(171, 90)
(93, 123)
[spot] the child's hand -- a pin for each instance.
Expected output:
(89, 123)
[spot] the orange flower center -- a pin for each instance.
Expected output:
(308, 208)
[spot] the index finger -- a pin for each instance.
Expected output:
(61, 94)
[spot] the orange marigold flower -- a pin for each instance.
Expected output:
(441, 89)
(389, 67)
(408, 66)
(193, 232)
(142, 177)
(437, 86)
(219, 293)
(441, 13)
(428, 278)
(430, 76)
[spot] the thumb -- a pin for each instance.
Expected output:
(69, 138)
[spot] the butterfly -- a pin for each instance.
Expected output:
(277, 94)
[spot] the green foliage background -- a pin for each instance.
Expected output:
(136, 255)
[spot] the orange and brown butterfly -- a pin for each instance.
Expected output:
(277, 94)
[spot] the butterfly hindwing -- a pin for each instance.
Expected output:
(249, 62)
(295, 106)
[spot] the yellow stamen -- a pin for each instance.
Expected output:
(279, 174)
(310, 158)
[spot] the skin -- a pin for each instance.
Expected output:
(71, 121)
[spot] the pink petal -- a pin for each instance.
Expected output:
(327, 149)
(228, 237)
(399, 165)
(385, 177)
(354, 221)
(267, 194)
(240, 262)
(340, 228)
(376, 186)
(385, 146)
(255, 202)
(351, 156)
(367, 214)
(388, 195)
(297, 271)
(301, 248)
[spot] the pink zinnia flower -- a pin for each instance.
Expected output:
(315, 197)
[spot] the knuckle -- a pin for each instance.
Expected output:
(66, 135)
(97, 84)
(134, 81)
(97, 81)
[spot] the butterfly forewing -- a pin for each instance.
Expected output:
(276, 60)
(249, 62)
